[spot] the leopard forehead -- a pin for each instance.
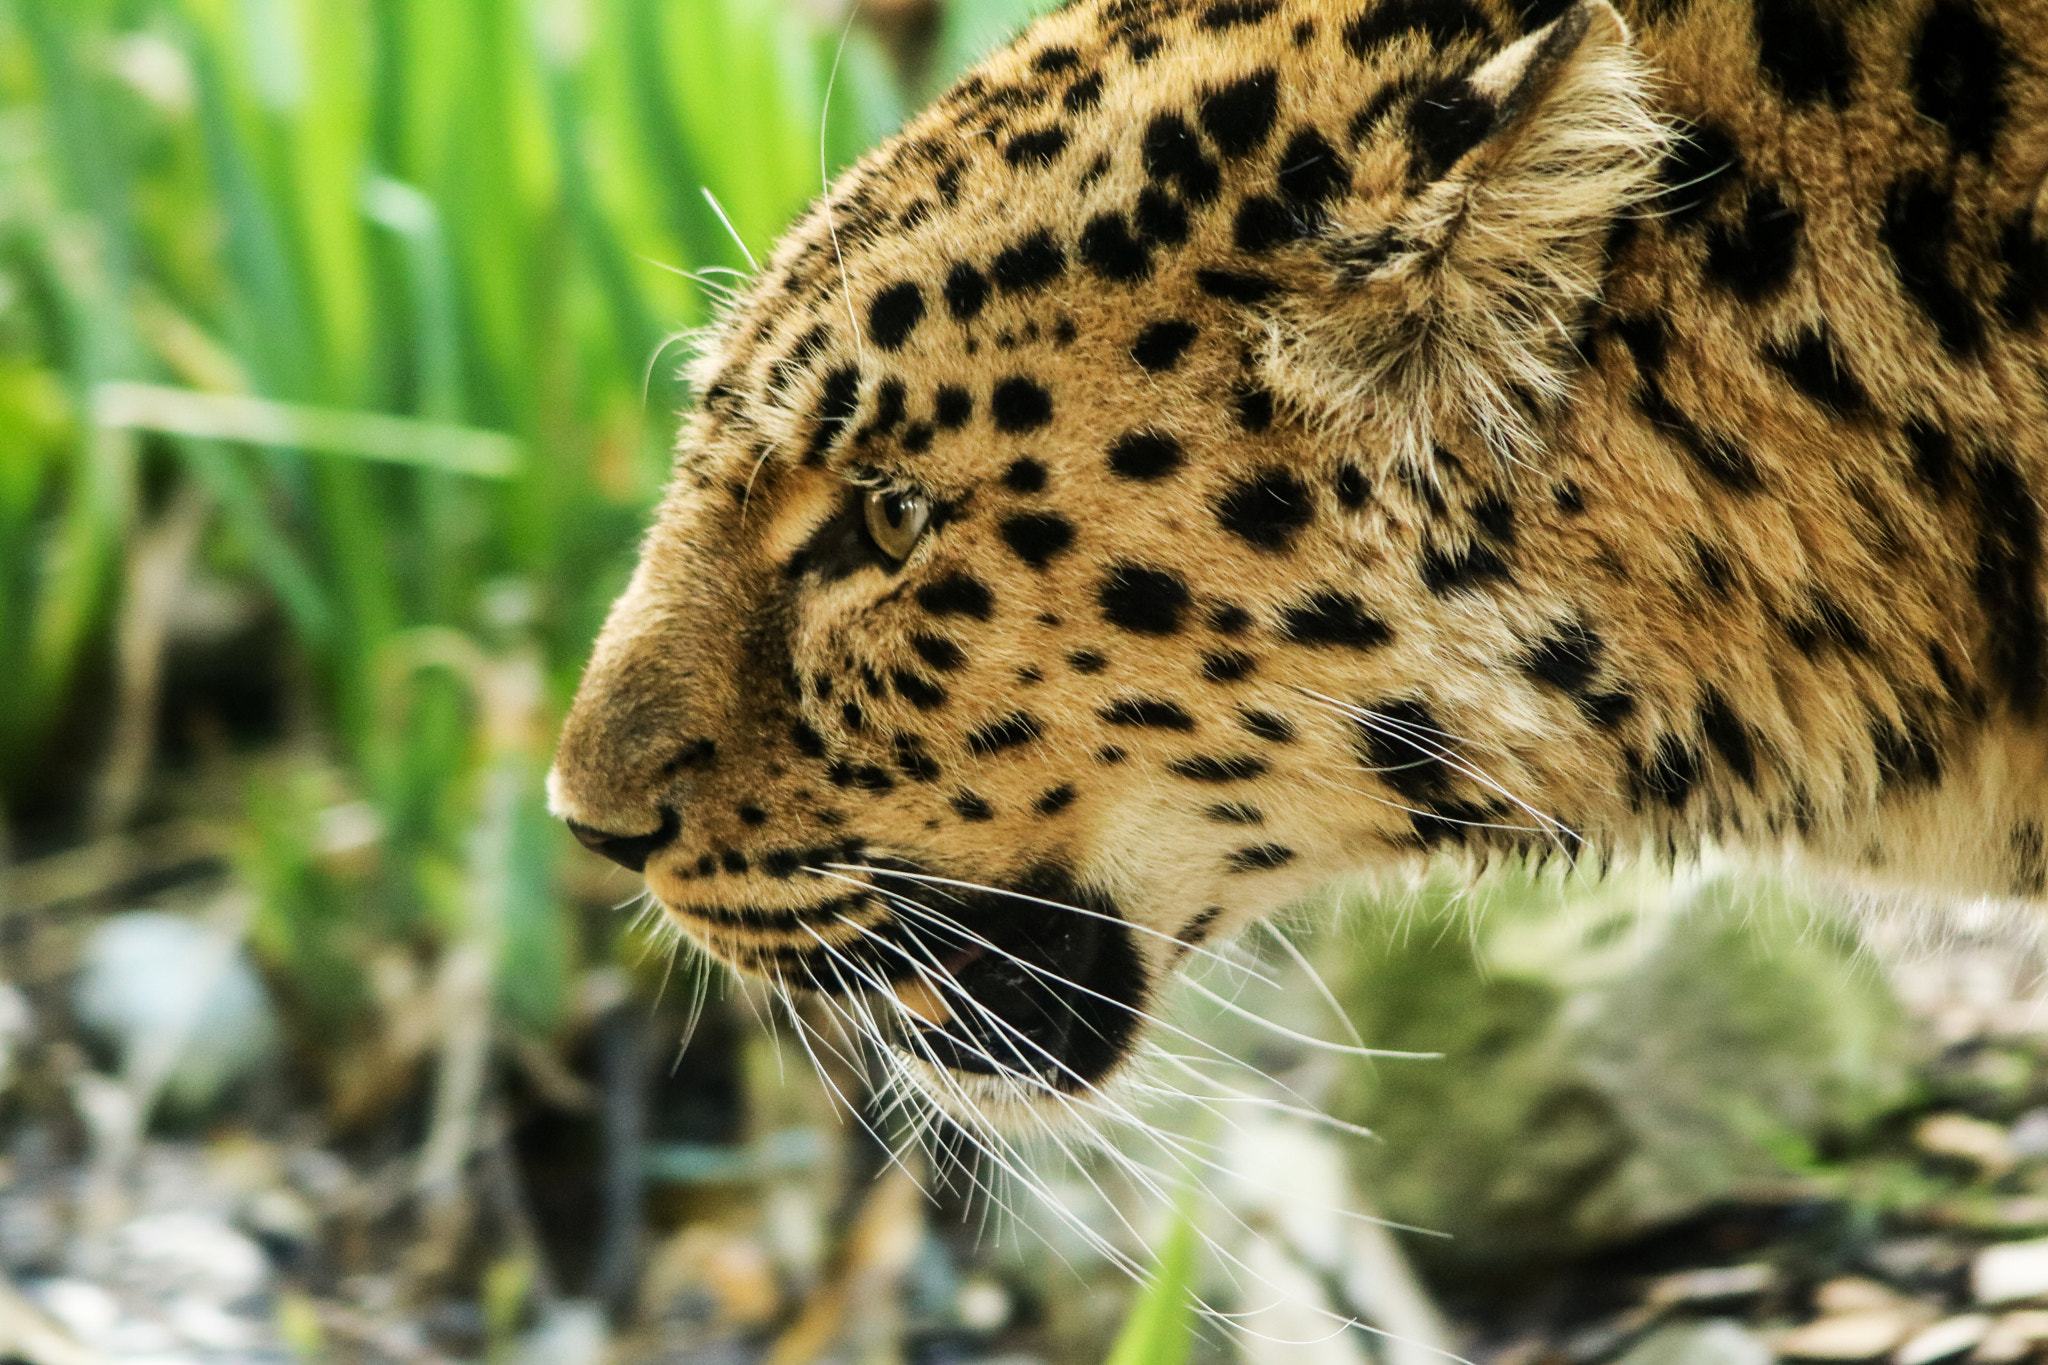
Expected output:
(1349, 433)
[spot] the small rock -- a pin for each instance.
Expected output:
(1709, 1286)
(2012, 1271)
(1853, 1294)
(2028, 1136)
(1983, 1145)
(1716, 1341)
(1949, 1337)
(1918, 1262)
(2013, 1337)
(982, 1306)
(1847, 1336)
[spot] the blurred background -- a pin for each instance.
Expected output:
(338, 355)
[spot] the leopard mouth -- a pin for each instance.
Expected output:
(1038, 982)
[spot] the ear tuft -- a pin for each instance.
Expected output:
(1453, 314)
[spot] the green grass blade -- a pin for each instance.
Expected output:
(1161, 1327)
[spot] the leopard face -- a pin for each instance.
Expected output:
(1222, 445)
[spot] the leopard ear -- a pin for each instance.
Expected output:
(1444, 305)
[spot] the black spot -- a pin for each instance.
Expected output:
(1039, 147)
(1804, 51)
(1647, 338)
(1083, 94)
(733, 861)
(1111, 251)
(889, 401)
(1826, 622)
(1267, 509)
(706, 865)
(938, 651)
(1907, 755)
(1228, 768)
(1448, 119)
(1056, 59)
(808, 742)
(1144, 48)
(1569, 497)
(1233, 13)
(1147, 601)
(1729, 736)
(968, 806)
(1025, 476)
(1020, 405)
(1333, 618)
(917, 438)
(1007, 733)
(1239, 116)
(1036, 537)
(894, 314)
(854, 717)
(2007, 580)
(957, 595)
(1272, 728)
(1258, 858)
(2025, 254)
(1671, 772)
(838, 397)
(1607, 709)
(1401, 743)
(1958, 75)
(1754, 259)
(1054, 801)
(1197, 929)
(866, 776)
(1461, 568)
(1311, 172)
(1147, 712)
(1693, 174)
(1718, 457)
(1442, 22)
(1919, 216)
(752, 815)
(1230, 619)
(1816, 370)
(1263, 223)
(1714, 568)
(1086, 661)
(1567, 658)
(694, 754)
(1161, 344)
(1235, 286)
(1161, 217)
(1934, 454)
(1031, 263)
(1173, 154)
(1227, 666)
(1254, 409)
(1496, 516)
(966, 291)
(1353, 488)
(1145, 455)
(1235, 813)
(1109, 755)
(952, 407)
(912, 760)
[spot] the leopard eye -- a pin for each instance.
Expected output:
(896, 519)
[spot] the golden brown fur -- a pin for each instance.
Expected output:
(1485, 426)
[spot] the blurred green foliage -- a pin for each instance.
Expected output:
(502, 215)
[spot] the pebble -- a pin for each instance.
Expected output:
(2029, 1135)
(2012, 1337)
(1710, 1285)
(2010, 1272)
(1983, 1144)
(1949, 1337)
(1716, 1341)
(1854, 1294)
(1847, 1336)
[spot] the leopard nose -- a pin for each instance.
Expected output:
(630, 851)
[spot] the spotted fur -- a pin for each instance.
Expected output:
(1353, 432)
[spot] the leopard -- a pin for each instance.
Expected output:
(1222, 446)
